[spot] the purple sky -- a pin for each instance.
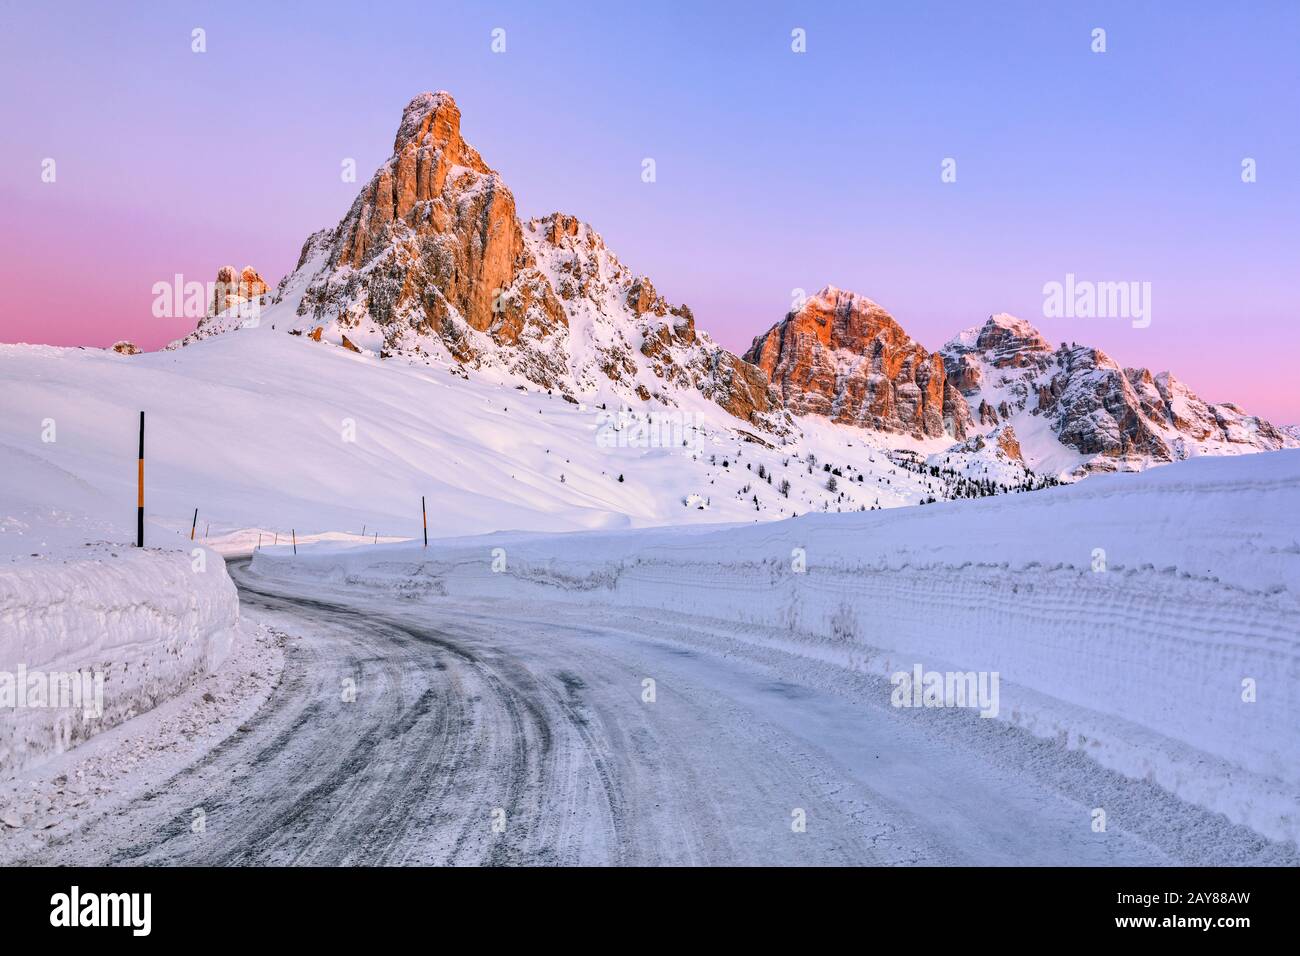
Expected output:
(776, 170)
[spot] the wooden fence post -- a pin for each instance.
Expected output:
(139, 502)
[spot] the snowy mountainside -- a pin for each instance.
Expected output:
(260, 429)
(625, 338)
(1077, 409)
(432, 265)
(1074, 411)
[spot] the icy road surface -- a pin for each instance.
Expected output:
(491, 734)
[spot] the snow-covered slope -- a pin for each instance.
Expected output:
(260, 429)
(1148, 621)
(268, 433)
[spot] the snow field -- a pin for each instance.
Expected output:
(259, 429)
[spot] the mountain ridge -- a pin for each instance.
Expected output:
(432, 263)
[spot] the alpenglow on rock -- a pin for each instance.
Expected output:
(433, 261)
(234, 288)
(842, 356)
(1111, 418)
(1071, 409)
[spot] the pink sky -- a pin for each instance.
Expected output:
(776, 171)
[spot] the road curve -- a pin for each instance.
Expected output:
(415, 734)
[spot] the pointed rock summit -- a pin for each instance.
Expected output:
(432, 246)
(432, 260)
(433, 119)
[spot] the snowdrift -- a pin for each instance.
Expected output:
(129, 628)
(1149, 621)
(142, 624)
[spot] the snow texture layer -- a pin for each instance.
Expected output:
(145, 620)
(79, 603)
(1148, 620)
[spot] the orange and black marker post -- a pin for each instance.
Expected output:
(294, 532)
(194, 524)
(425, 515)
(139, 503)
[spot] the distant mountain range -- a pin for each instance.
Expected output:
(432, 263)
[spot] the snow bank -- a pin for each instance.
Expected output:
(129, 628)
(143, 625)
(1127, 616)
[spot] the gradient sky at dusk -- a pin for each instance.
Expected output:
(775, 170)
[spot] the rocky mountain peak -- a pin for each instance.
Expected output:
(843, 356)
(430, 120)
(1001, 335)
(1004, 331)
(432, 262)
(234, 287)
(1109, 417)
(843, 319)
(432, 254)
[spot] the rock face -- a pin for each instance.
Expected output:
(1004, 436)
(622, 331)
(237, 298)
(432, 245)
(1110, 418)
(235, 288)
(1000, 440)
(431, 263)
(843, 356)
(432, 260)
(126, 348)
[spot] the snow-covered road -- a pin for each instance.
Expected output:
(504, 734)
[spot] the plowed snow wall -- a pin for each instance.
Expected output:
(146, 622)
